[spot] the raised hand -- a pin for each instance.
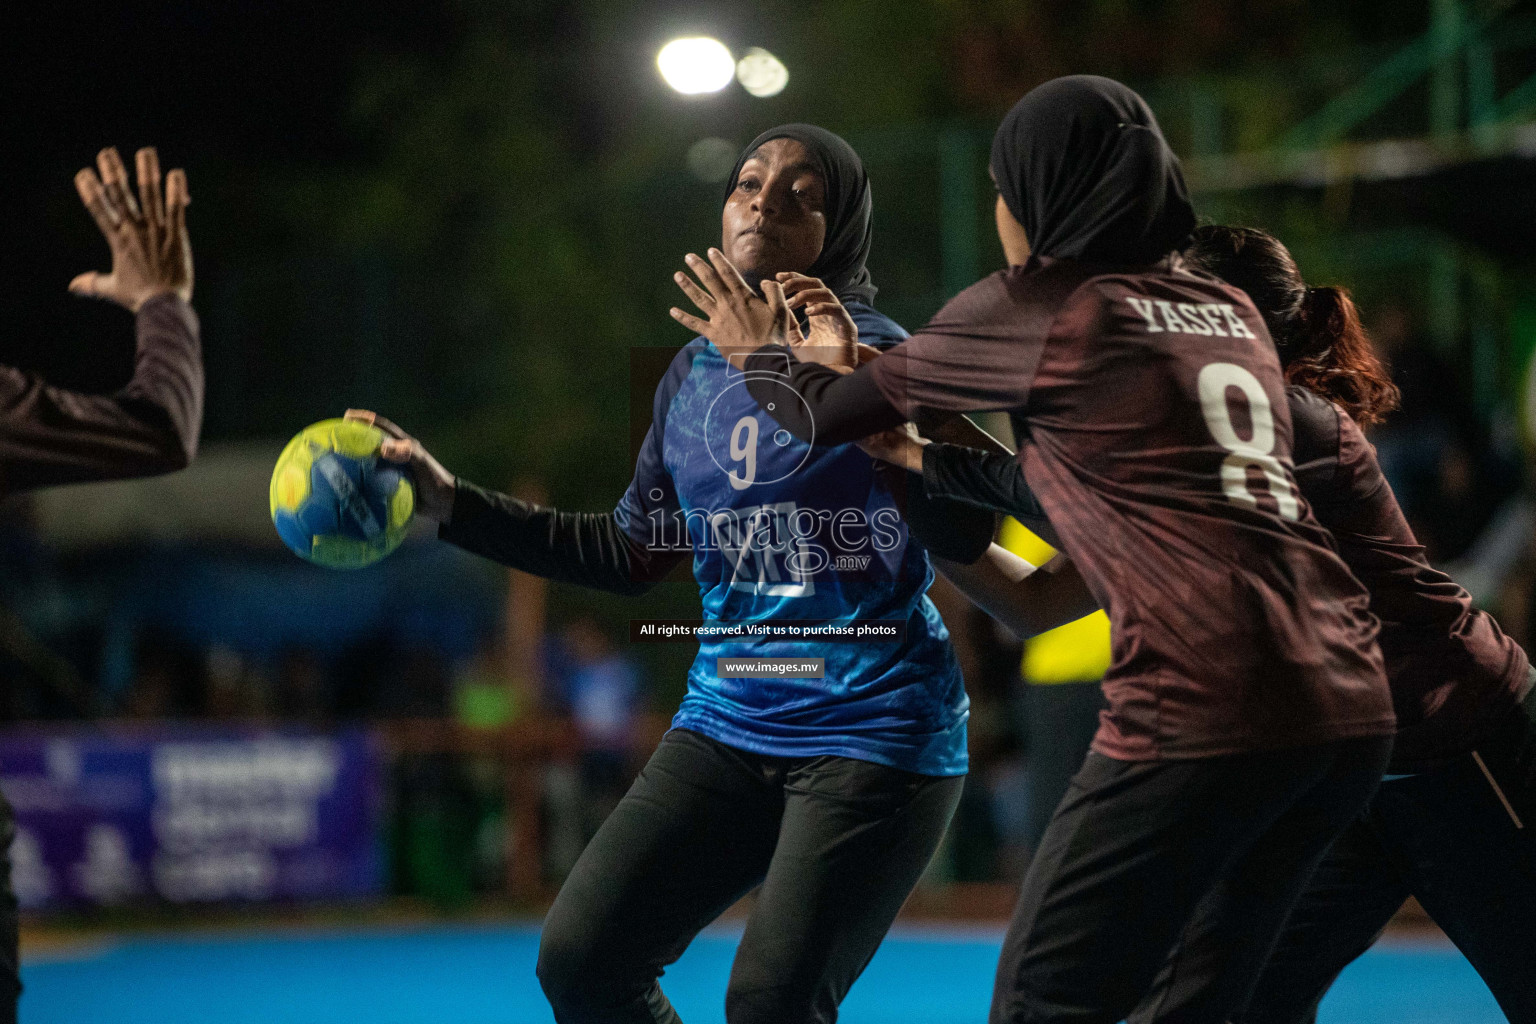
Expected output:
(151, 252)
(833, 339)
(737, 319)
(435, 486)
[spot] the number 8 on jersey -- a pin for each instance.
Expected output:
(1255, 453)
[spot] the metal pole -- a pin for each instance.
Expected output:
(1444, 298)
(959, 227)
(1204, 121)
(1482, 103)
(1445, 83)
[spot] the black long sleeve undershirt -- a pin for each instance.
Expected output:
(590, 549)
(834, 408)
(988, 480)
(50, 435)
(587, 548)
(838, 408)
(947, 529)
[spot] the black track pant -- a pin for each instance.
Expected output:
(1136, 848)
(1463, 841)
(837, 845)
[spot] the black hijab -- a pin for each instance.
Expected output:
(850, 210)
(1082, 164)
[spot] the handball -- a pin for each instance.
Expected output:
(335, 501)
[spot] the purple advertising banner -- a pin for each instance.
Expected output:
(190, 814)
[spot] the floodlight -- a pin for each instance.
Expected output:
(761, 73)
(696, 64)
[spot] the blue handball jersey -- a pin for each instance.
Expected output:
(780, 529)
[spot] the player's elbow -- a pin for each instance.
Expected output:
(175, 451)
(802, 428)
(187, 449)
(961, 540)
(172, 422)
(181, 451)
(782, 405)
(640, 567)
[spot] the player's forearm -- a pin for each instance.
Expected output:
(50, 435)
(1027, 600)
(826, 407)
(954, 428)
(168, 372)
(947, 529)
(585, 548)
(986, 479)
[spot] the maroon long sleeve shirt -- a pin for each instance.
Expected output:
(1154, 429)
(1455, 676)
(50, 435)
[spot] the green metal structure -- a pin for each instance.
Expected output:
(1258, 142)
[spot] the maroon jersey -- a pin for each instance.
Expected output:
(1454, 673)
(49, 435)
(1154, 428)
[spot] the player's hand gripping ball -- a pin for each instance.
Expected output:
(335, 502)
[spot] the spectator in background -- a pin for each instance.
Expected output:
(1435, 452)
(52, 436)
(439, 807)
(600, 694)
(1410, 445)
(599, 690)
(487, 698)
(484, 693)
(378, 676)
(170, 680)
(301, 691)
(1058, 704)
(235, 688)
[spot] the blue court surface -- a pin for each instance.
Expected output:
(484, 975)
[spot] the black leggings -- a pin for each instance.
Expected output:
(837, 845)
(1141, 857)
(1461, 838)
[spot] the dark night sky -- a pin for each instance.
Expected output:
(248, 83)
(235, 89)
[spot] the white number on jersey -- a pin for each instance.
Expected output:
(1255, 453)
(744, 449)
(765, 555)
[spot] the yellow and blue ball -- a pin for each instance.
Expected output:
(335, 502)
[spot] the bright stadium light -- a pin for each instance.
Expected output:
(761, 73)
(696, 64)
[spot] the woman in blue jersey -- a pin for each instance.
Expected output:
(831, 791)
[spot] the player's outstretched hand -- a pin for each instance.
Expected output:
(151, 253)
(901, 446)
(736, 318)
(833, 339)
(435, 486)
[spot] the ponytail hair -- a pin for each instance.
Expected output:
(1334, 357)
(1323, 347)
